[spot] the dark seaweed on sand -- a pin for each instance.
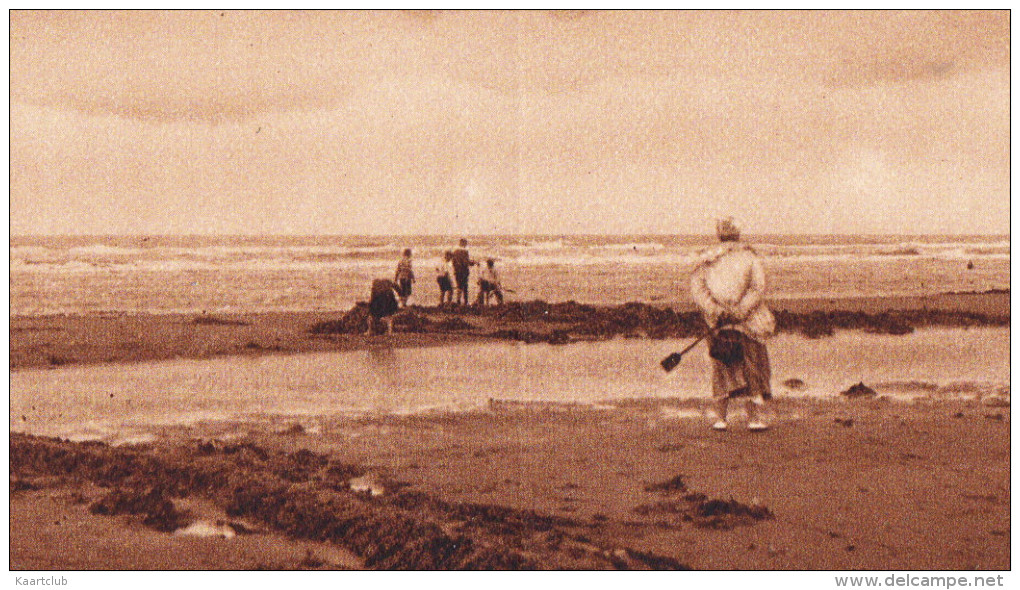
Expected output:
(355, 321)
(673, 484)
(152, 504)
(858, 391)
(306, 495)
(453, 324)
(531, 337)
(705, 512)
(816, 324)
(569, 321)
(699, 509)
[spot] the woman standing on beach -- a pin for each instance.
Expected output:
(404, 277)
(729, 287)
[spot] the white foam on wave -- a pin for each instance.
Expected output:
(103, 251)
(540, 245)
(586, 259)
(632, 247)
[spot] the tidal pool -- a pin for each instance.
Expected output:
(127, 400)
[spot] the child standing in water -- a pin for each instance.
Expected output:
(443, 277)
(404, 277)
(489, 284)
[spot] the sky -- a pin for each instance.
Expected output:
(430, 122)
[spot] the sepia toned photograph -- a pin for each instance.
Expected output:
(510, 290)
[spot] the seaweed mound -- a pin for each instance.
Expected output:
(674, 484)
(531, 321)
(308, 495)
(795, 384)
(704, 512)
(860, 390)
(453, 324)
(158, 511)
(409, 320)
(530, 337)
(700, 510)
(355, 321)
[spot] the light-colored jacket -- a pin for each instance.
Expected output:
(404, 270)
(445, 269)
(730, 281)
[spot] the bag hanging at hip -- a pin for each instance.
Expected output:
(727, 347)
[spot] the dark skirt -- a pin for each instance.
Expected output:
(445, 284)
(404, 287)
(750, 377)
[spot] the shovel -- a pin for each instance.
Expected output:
(670, 362)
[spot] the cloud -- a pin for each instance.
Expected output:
(210, 108)
(498, 121)
(900, 47)
(893, 71)
(171, 66)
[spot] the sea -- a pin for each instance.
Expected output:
(167, 274)
(136, 402)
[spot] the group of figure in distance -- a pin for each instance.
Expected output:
(453, 277)
(727, 284)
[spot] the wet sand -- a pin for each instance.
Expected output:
(846, 484)
(864, 484)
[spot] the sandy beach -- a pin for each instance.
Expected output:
(856, 485)
(629, 484)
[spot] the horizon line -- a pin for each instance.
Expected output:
(509, 234)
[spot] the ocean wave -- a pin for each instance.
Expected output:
(901, 250)
(988, 251)
(103, 251)
(587, 259)
(282, 252)
(27, 252)
(73, 267)
(831, 251)
(558, 251)
(633, 247)
(558, 244)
